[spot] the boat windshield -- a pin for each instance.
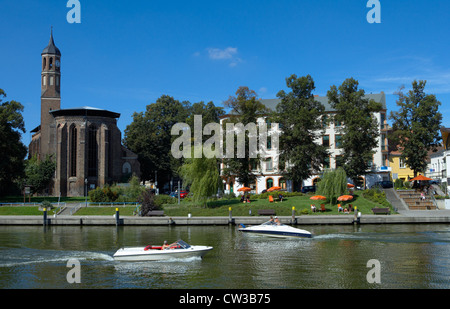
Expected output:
(272, 223)
(183, 244)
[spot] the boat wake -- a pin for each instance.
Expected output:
(21, 257)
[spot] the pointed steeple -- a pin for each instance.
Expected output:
(51, 48)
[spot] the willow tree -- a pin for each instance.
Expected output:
(202, 174)
(333, 184)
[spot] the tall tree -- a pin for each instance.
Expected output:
(245, 109)
(11, 147)
(299, 114)
(416, 125)
(39, 173)
(148, 135)
(360, 129)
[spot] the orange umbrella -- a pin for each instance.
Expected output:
(343, 198)
(420, 178)
(318, 197)
(245, 189)
(349, 185)
(273, 189)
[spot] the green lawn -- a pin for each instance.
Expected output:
(302, 205)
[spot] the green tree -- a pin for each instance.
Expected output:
(298, 114)
(333, 184)
(245, 109)
(39, 173)
(13, 151)
(202, 174)
(148, 135)
(416, 125)
(359, 130)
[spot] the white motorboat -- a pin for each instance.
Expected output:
(275, 230)
(178, 249)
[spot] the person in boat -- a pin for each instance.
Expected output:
(277, 221)
(271, 220)
(165, 245)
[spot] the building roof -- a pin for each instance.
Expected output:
(84, 111)
(51, 47)
(377, 97)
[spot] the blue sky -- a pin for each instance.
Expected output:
(125, 54)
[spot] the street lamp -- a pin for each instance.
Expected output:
(85, 190)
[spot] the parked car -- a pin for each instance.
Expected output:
(307, 189)
(385, 184)
(183, 194)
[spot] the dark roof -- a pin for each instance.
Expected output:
(377, 97)
(84, 111)
(51, 48)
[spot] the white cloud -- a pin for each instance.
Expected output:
(217, 53)
(227, 54)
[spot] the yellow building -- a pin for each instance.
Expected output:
(398, 168)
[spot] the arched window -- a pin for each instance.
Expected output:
(92, 151)
(50, 63)
(282, 183)
(44, 63)
(126, 168)
(73, 151)
(269, 183)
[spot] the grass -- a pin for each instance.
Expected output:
(302, 205)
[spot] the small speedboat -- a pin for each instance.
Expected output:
(275, 230)
(178, 249)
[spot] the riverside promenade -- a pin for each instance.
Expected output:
(403, 217)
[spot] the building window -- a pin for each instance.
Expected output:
(92, 151)
(269, 164)
(401, 163)
(339, 161)
(73, 151)
(51, 80)
(326, 163)
(269, 183)
(326, 141)
(337, 141)
(269, 142)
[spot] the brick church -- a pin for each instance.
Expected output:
(85, 142)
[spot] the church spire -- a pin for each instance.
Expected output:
(51, 47)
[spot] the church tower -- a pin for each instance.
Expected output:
(50, 95)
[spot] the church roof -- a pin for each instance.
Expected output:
(51, 47)
(84, 111)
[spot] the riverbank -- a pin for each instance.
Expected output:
(405, 217)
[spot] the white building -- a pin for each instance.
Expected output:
(439, 164)
(269, 174)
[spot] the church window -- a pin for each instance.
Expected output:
(92, 151)
(44, 63)
(73, 151)
(44, 80)
(51, 80)
(57, 80)
(50, 63)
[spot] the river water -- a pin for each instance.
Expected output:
(409, 256)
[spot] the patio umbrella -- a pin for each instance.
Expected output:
(318, 197)
(349, 185)
(420, 178)
(343, 198)
(273, 189)
(245, 189)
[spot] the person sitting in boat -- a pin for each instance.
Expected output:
(277, 221)
(165, 245)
